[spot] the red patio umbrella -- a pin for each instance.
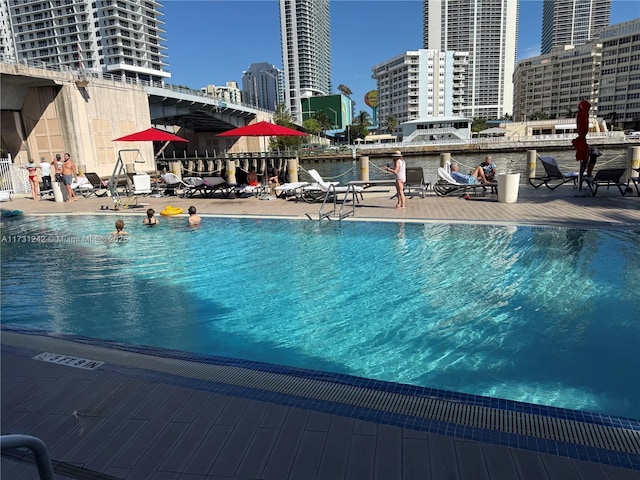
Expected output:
(262, 129)
(580, 142)
(151, 135)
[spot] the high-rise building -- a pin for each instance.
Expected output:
(605, 71)
(121, 37)
(572, 22)
(229, 93)
(421, 84)
(619, 80)
(7, 43)
(263, 86)
(305, 32)
(487, 29)
(554, 84)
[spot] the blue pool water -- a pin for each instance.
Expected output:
(548, 316)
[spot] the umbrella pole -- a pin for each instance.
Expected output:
(166, 144)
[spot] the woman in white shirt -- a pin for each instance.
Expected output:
(400, 171)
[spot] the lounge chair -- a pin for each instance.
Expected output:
(291, 189)
(173, 184)
(415, 181)
(141, 184)
(319, 189)
(446, 185)
(217, 184)
(193, 186)
(98, 187)
(553, 177)
(607, 177)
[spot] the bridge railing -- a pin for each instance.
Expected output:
(89, 73)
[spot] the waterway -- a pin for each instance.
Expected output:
(347, 170)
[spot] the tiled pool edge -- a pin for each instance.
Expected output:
(493, 436)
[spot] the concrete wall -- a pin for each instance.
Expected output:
(57, 115)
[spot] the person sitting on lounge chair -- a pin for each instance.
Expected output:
(151, 220)
(252, 177)
(489, 168)
(477, 176)
(272, 175)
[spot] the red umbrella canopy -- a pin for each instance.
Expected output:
(582, 124)
(262, 129)
(151, 135)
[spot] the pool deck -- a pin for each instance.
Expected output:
(564, 206)
(147, 415)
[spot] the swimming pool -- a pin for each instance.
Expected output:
(547, 316)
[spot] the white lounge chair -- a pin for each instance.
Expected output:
(291, 190)
(319, 189)
(141, 184)
(173, 183)
(446, 185)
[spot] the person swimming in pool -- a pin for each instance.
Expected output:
(119, 233)
(150, 219)
(194, 219)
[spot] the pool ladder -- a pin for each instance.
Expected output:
(335, 214)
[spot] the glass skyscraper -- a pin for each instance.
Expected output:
(488, 30)
(305, 31)
(572, 22)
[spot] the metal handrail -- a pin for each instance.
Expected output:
(324, 201)
(350, 189)
(37, 446)
(331, 190)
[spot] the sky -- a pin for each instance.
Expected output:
(214, 41)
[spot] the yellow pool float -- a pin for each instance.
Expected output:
(169, 210)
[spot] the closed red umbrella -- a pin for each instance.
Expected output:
(580, 142)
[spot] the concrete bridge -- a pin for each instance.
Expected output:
(47, 110)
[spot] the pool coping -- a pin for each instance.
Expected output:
(589, 436)
(572, 225)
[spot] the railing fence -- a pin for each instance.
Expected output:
(13, 179)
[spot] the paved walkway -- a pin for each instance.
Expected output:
(152, 415)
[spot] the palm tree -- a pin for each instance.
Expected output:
(312, 125)
(392, 124)
(478, 124)
(363, 118)
(323, 119)
(283, 117)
